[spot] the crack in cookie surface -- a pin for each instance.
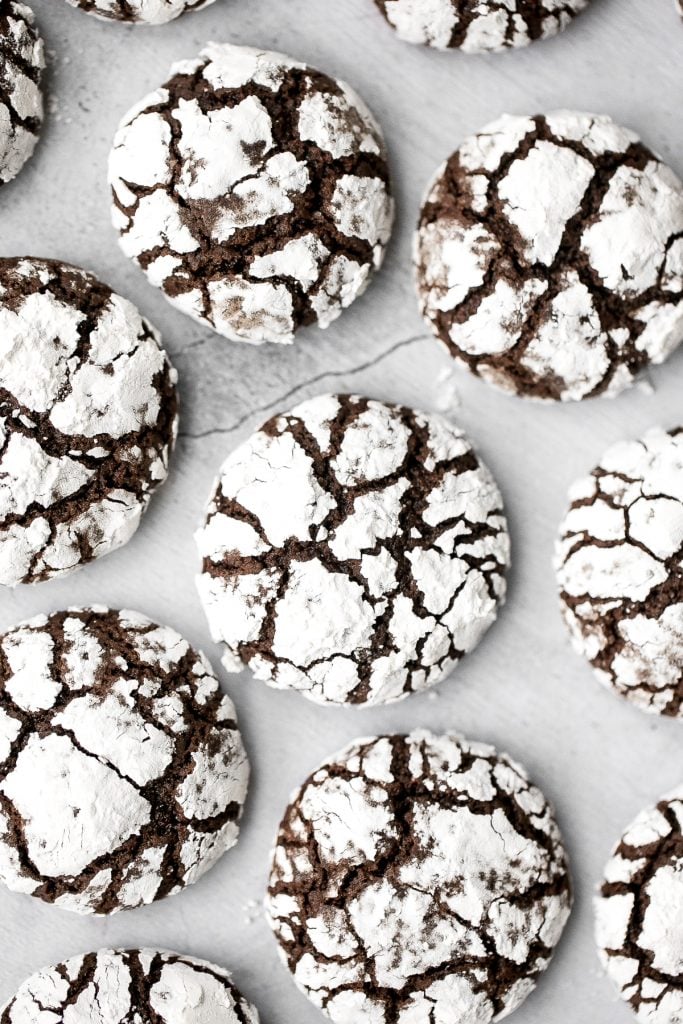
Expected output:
(478, 26)
(147, 12)
(418, 878)
(125, 985)
(639, 913)
(352, 550)
(254, 191)
(122, 769)
(22, 62)
(549, 256)
(619, 562)
(88, 418)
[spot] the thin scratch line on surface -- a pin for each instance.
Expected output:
(305, 384)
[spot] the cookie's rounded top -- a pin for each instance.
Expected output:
(122, 770)
(486, 25)
(88, 416)
(22, 60)
(639, 913)
(143, 12)
(123, 985)
(254, 191)
(550, 256)
(619, 564)
(376, 526)
(418, 878)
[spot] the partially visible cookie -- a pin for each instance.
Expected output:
(22, 61)
(254, 191)
(416, 879)
(144, 12)
(549, 256)
(487, 25)
(122, 769)
(353, 550)
(88, 418)
(619, 563)
(639, 913)
(118, 986)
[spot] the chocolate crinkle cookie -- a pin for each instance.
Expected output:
(639, 914)
(477, 26)
(143, 12)
(88, 417)
(619, 563)
(254, 191)
(118, 986)
(549, 256)
(417, 879)
(352, 550)
(22, 61)
(122, 770)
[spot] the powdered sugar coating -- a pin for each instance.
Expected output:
(117, 725)
(549, 256)
(144, 12)
(639, 913)
(22, 61)
(117, 986)
(481, 26)
(619, 565)
(418, 878)
(374, 524)
(254, 191)
(88, 418)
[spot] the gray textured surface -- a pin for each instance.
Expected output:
(598, 759)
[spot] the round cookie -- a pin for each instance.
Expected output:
(122, 770)
(549, 256)
(254, 191)
(619, 561)
(639, 913)
(418, 878)
(88, 417)
(143, 12)
(376, 526)
(117, 986)
(22, 61)
(481, 26)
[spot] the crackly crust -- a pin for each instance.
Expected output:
(477, 26)
(375, 526)
(549, 256)
(619, 563)
(254, 191)
(122, 770)
(144, 12)
(418, 878)
(123, 985)
(88, 418)
(639, 913)
(22, 61)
